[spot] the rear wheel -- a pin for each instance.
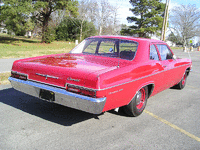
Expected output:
(182, 83)
(138, 103)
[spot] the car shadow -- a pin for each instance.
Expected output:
(49, 111)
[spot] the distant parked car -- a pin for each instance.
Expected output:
(103, 73)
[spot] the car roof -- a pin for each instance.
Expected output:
(129, 38)
(143, 46)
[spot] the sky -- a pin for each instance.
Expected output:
(124, 6)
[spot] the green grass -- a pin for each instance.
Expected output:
(4, 78)
(176, 48)
(16, 47)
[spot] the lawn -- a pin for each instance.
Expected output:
(21, 47)
(16, 47)
(4, 78)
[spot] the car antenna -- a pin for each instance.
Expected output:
(118, 64)
(118, 60)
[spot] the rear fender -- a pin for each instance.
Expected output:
(150, 86)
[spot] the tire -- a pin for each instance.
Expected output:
(182, 83)
(137, 104)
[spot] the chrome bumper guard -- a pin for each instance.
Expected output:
(63, 97)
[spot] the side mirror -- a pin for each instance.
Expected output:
(174, 57)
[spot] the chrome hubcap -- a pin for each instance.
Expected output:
(184, 78)
(140, 98)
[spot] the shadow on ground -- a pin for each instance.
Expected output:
(13, 40)
(49, 111)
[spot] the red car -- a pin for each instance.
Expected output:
(103, 73)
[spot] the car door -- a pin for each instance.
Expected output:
(170, 76)
(158, 75)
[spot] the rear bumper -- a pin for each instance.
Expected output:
(63, 97)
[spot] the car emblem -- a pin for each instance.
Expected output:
(70, 79)
(47, 76)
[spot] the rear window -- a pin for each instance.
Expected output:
(108, 47)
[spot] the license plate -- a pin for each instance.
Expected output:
(47, 95)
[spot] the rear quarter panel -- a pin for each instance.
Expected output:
(120, 85)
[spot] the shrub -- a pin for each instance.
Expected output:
(49, 35)
(69, 29)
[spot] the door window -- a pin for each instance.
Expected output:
(165, 52)
(153, 53)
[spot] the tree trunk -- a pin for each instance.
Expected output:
(44, 28)
(100, 30)
(81, 30)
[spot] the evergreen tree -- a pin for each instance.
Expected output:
(147, 19)
(44, 8)
(174, 38)
(16, 16)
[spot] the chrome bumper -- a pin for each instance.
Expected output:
(63, 97)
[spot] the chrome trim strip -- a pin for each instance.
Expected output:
(140, 78)
(63, 97)
(111, 86)
(125, 82)
(47, 76)
(19, 73)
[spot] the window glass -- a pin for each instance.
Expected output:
(127, 49)
(91, 48)
(153, 53)
(165, 52)
(108, 47)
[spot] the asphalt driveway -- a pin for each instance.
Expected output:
(170, 121)
(6, 64)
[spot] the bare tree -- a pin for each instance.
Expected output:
(185, 21)
(93, 11)
(83, 14)
(103, 15)
(116, 24)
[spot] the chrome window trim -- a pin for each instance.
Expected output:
(137, 43)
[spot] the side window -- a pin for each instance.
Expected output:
(153, 53)
(106, 46)
(91, 48)
(165, 52)
(127, 49)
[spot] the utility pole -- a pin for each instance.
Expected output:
(165, 20)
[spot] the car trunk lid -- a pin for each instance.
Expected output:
(65, 68)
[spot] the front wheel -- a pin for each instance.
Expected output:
(138, 103)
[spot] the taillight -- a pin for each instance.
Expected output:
(19, 75)
(73, 89)
(81, 90)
